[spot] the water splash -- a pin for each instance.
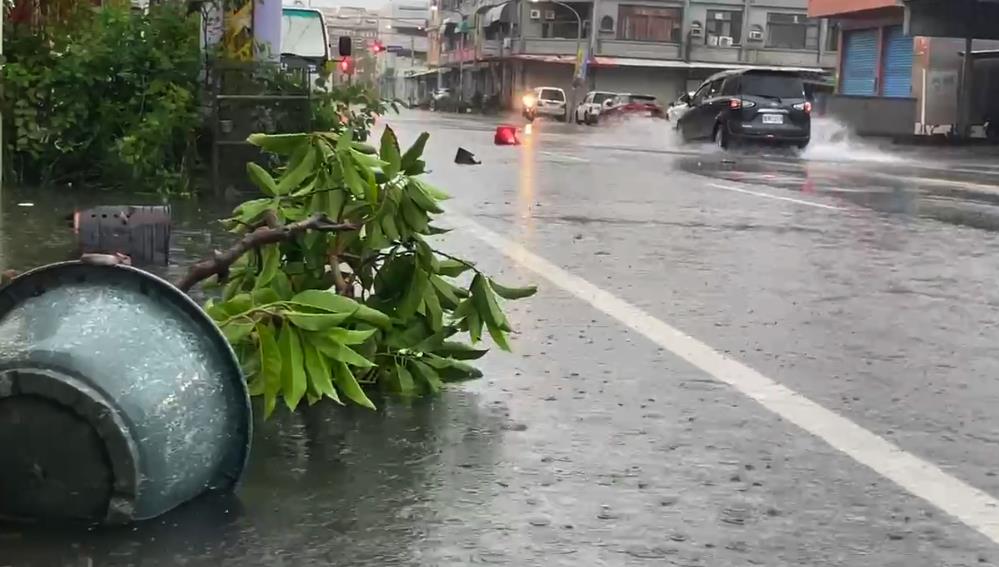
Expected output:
(833, 141)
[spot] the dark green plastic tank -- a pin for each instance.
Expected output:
(119, 398)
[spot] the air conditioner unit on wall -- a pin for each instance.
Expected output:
(507, 44)
(549, 14)
(755, 35)
(725, 41)
(535, 14)
(713, 40)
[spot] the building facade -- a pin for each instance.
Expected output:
(658, 47)
(893, 83)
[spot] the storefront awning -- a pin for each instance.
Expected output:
(497, 14)
(660, 63)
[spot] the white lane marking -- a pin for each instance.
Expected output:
(563, 156)
(778, 197)
(974, 507)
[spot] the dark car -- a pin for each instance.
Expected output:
(749, 105)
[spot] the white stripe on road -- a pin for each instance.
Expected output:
(972, 506)
(778, 197)
(563, 156)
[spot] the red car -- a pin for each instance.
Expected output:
(633, 105)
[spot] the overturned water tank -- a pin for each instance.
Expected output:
(119, 398)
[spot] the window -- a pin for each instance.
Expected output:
(642, 23)
(564, 25)
(832, 37)
(723, 23)
(701, 94)
(792, 31)
(607, 24)
(552, 94)
(772, 85)
(731, 86)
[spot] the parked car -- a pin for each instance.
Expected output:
(633, 105)
(545, 101)
(588, 111)
(677, 109)
(441, 99)
(749, 104)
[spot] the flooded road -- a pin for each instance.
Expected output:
(603, 440)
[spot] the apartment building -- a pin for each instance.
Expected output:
(660, 47)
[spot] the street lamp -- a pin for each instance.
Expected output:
(579, 45)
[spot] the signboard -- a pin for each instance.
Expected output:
(394, 48)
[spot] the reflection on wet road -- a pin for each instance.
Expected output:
(863, 283)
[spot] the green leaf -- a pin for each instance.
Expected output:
(369, 162)
(318, 368)
(251, 210)
(343, 143)
(293, 367)
(280, 144)
(414, 295)
(236, 331)
(421, 198)
(427, 374)
(459, 351)
(411, 159)
(512, 292)
(452, 370)
(349, 337)
(406, 384)
(347, 384)
(453, 268)
(432, 191)
(448, 298)
(485, 302)
(297, 172)
(352, 179)
(270, 367)
(329, 301)
(317, 321)
(414, 217)
(390, 152)
(281, 285)
(499, 336)
(262, 179)
(271, 255)
(389, 228)
(434, 311)
(338, 351)
(474, 322)
(364, 148)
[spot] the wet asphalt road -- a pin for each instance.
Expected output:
(859, 277)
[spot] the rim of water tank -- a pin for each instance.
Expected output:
(53, 275)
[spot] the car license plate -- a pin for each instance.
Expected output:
(773, 118)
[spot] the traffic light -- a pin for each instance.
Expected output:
(377, 47)
(346, 65)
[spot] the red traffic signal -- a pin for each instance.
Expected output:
(377, 47)
(346, 65)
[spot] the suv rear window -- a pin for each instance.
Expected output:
(599, 98)
(772, 85)
(639, 98)
(552, 94)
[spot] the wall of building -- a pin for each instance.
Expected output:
(870, 116)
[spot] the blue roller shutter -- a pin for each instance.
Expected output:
(897, 63)
(860, 62)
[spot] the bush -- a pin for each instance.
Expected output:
(112, 97)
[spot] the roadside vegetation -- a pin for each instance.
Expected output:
(333, 288)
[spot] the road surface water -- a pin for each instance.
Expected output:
(610, 436)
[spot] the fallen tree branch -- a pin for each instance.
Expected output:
(267, 232)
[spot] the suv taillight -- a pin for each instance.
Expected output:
(805, 106)
(737, 103)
